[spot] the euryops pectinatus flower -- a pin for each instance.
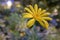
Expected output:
(36, 14)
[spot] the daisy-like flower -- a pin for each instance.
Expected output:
(36, 14)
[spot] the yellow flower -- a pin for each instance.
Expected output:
(22, 34)
(18, 5)
(36, 14)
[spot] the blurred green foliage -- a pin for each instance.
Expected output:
(13, 20)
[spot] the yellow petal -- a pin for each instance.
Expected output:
(27, 15)
(32, 9)
(28, 10)
(36, 8)
(45, 14)
(42, 12)
(47, 18)
(46, 24)
(40, 21)
(39, 10)
(30, 23)
(43, 23)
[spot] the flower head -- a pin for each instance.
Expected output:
(36, 14)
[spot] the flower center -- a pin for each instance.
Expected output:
(36, 16)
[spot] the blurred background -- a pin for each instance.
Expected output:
(13, 25)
